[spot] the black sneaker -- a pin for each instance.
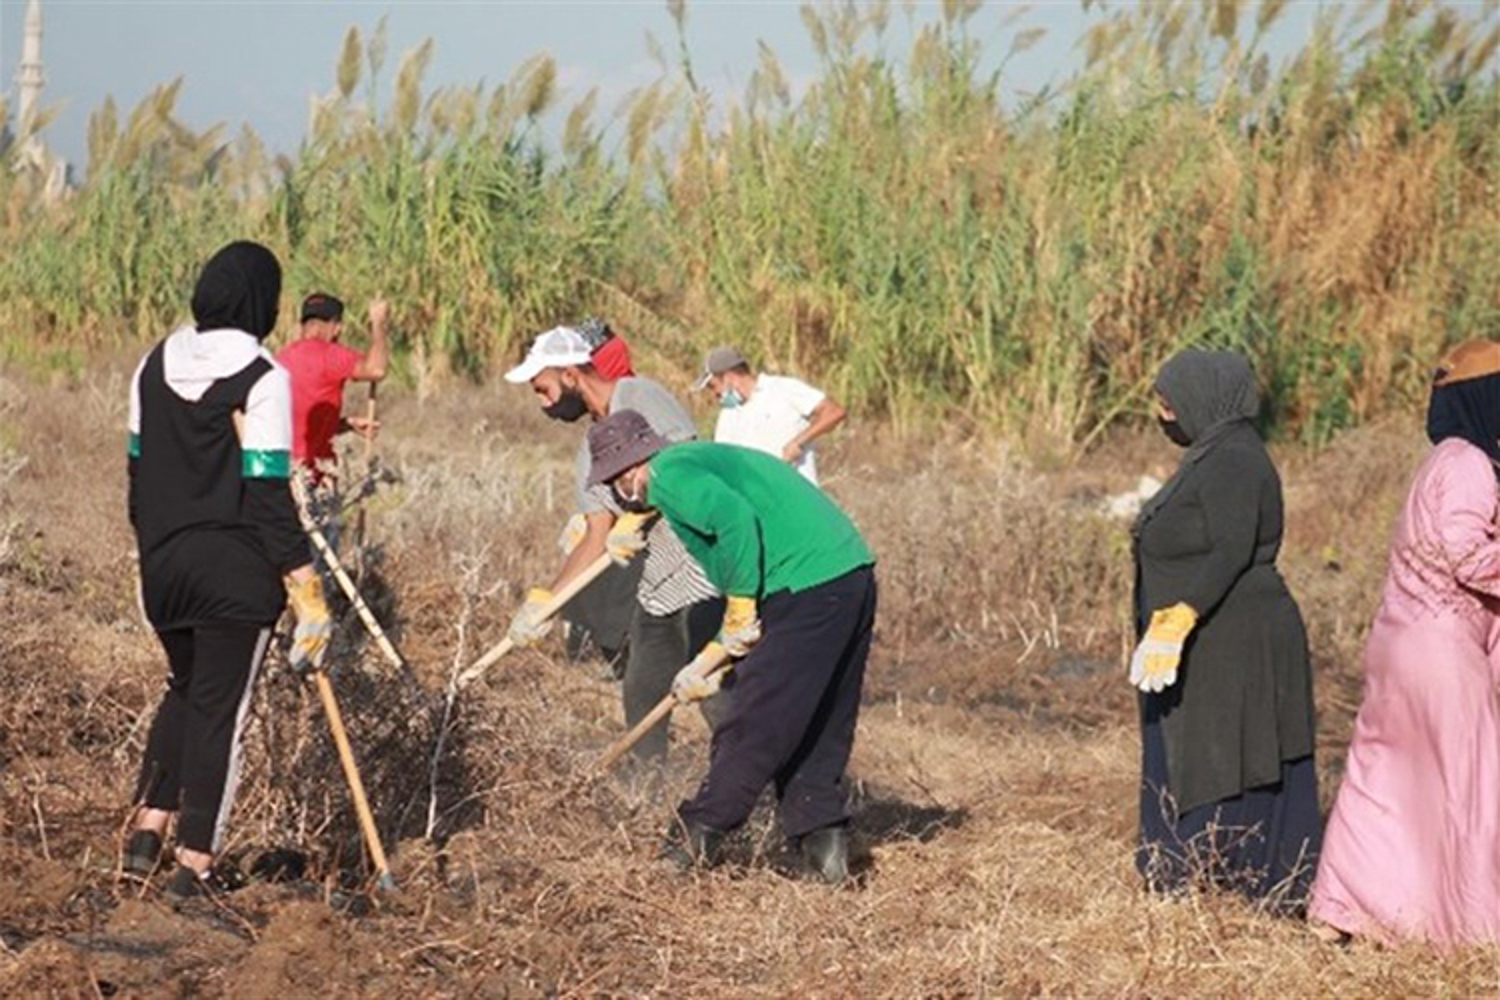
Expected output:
(223, 877)
(142, 854)
(188, 883)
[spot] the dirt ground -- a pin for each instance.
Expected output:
(994, 769)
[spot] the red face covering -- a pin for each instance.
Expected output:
(612, 359)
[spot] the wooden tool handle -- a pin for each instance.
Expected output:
(369, 434)
(369, 451)
(345, 582)
(572, 589)
(707, 664)
(359, 517)
(351, 774)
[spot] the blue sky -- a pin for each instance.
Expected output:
(259, 62)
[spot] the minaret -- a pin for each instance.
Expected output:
(29, 80)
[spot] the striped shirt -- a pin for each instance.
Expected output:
(672, 579)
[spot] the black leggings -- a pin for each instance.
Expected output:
(192, 760)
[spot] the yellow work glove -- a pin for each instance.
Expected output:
(627, 537)
(531, 624)
(314, 624)
(741, 626)
(1154, 665)
(572, 533)
(703, 677)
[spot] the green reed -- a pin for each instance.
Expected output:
(907, 230)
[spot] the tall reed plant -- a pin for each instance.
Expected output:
(904, 228)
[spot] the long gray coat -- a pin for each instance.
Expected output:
(1243, 700)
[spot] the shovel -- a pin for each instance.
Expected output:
(359, 522)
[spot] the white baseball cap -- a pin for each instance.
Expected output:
(559, 347)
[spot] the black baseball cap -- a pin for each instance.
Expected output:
(319, 305)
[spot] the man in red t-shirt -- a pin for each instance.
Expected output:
(320, 366)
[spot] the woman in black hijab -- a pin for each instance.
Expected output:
(1228, 787)
(221, 551)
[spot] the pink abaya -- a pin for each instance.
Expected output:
(1412, 849)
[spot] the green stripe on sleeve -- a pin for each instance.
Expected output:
(266, 464)
(134, 447)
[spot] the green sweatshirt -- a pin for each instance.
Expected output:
(752, 521)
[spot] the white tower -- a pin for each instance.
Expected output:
(29, 81)
(32, 156)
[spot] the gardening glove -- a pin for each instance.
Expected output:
(1154, 665)
(627, 537)
(314, 624)
(741, 626)
(691, 684)
(530, 624)
(572, 533)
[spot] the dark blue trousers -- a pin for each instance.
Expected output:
(793, 711)
(1263, 842)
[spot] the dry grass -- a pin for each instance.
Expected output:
(995, 759)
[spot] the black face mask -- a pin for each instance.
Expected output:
(632, 506)
(1174, 432)
(638, 505)
(569, 407)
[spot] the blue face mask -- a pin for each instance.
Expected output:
(731, 399)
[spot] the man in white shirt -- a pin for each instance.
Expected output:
(775, 414)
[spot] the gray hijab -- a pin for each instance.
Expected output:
(1208, 389)
(1212, 393)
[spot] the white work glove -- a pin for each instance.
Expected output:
(314, 624)
(691, 684)
(1153, 667)
(531, 624)
(741, 626)
(627, 538)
